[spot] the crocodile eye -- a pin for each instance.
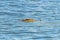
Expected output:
(29, 20)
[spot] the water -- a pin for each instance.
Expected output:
(13, 11)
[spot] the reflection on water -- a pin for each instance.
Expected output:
(45, 11)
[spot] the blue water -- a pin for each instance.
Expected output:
(13, 11)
